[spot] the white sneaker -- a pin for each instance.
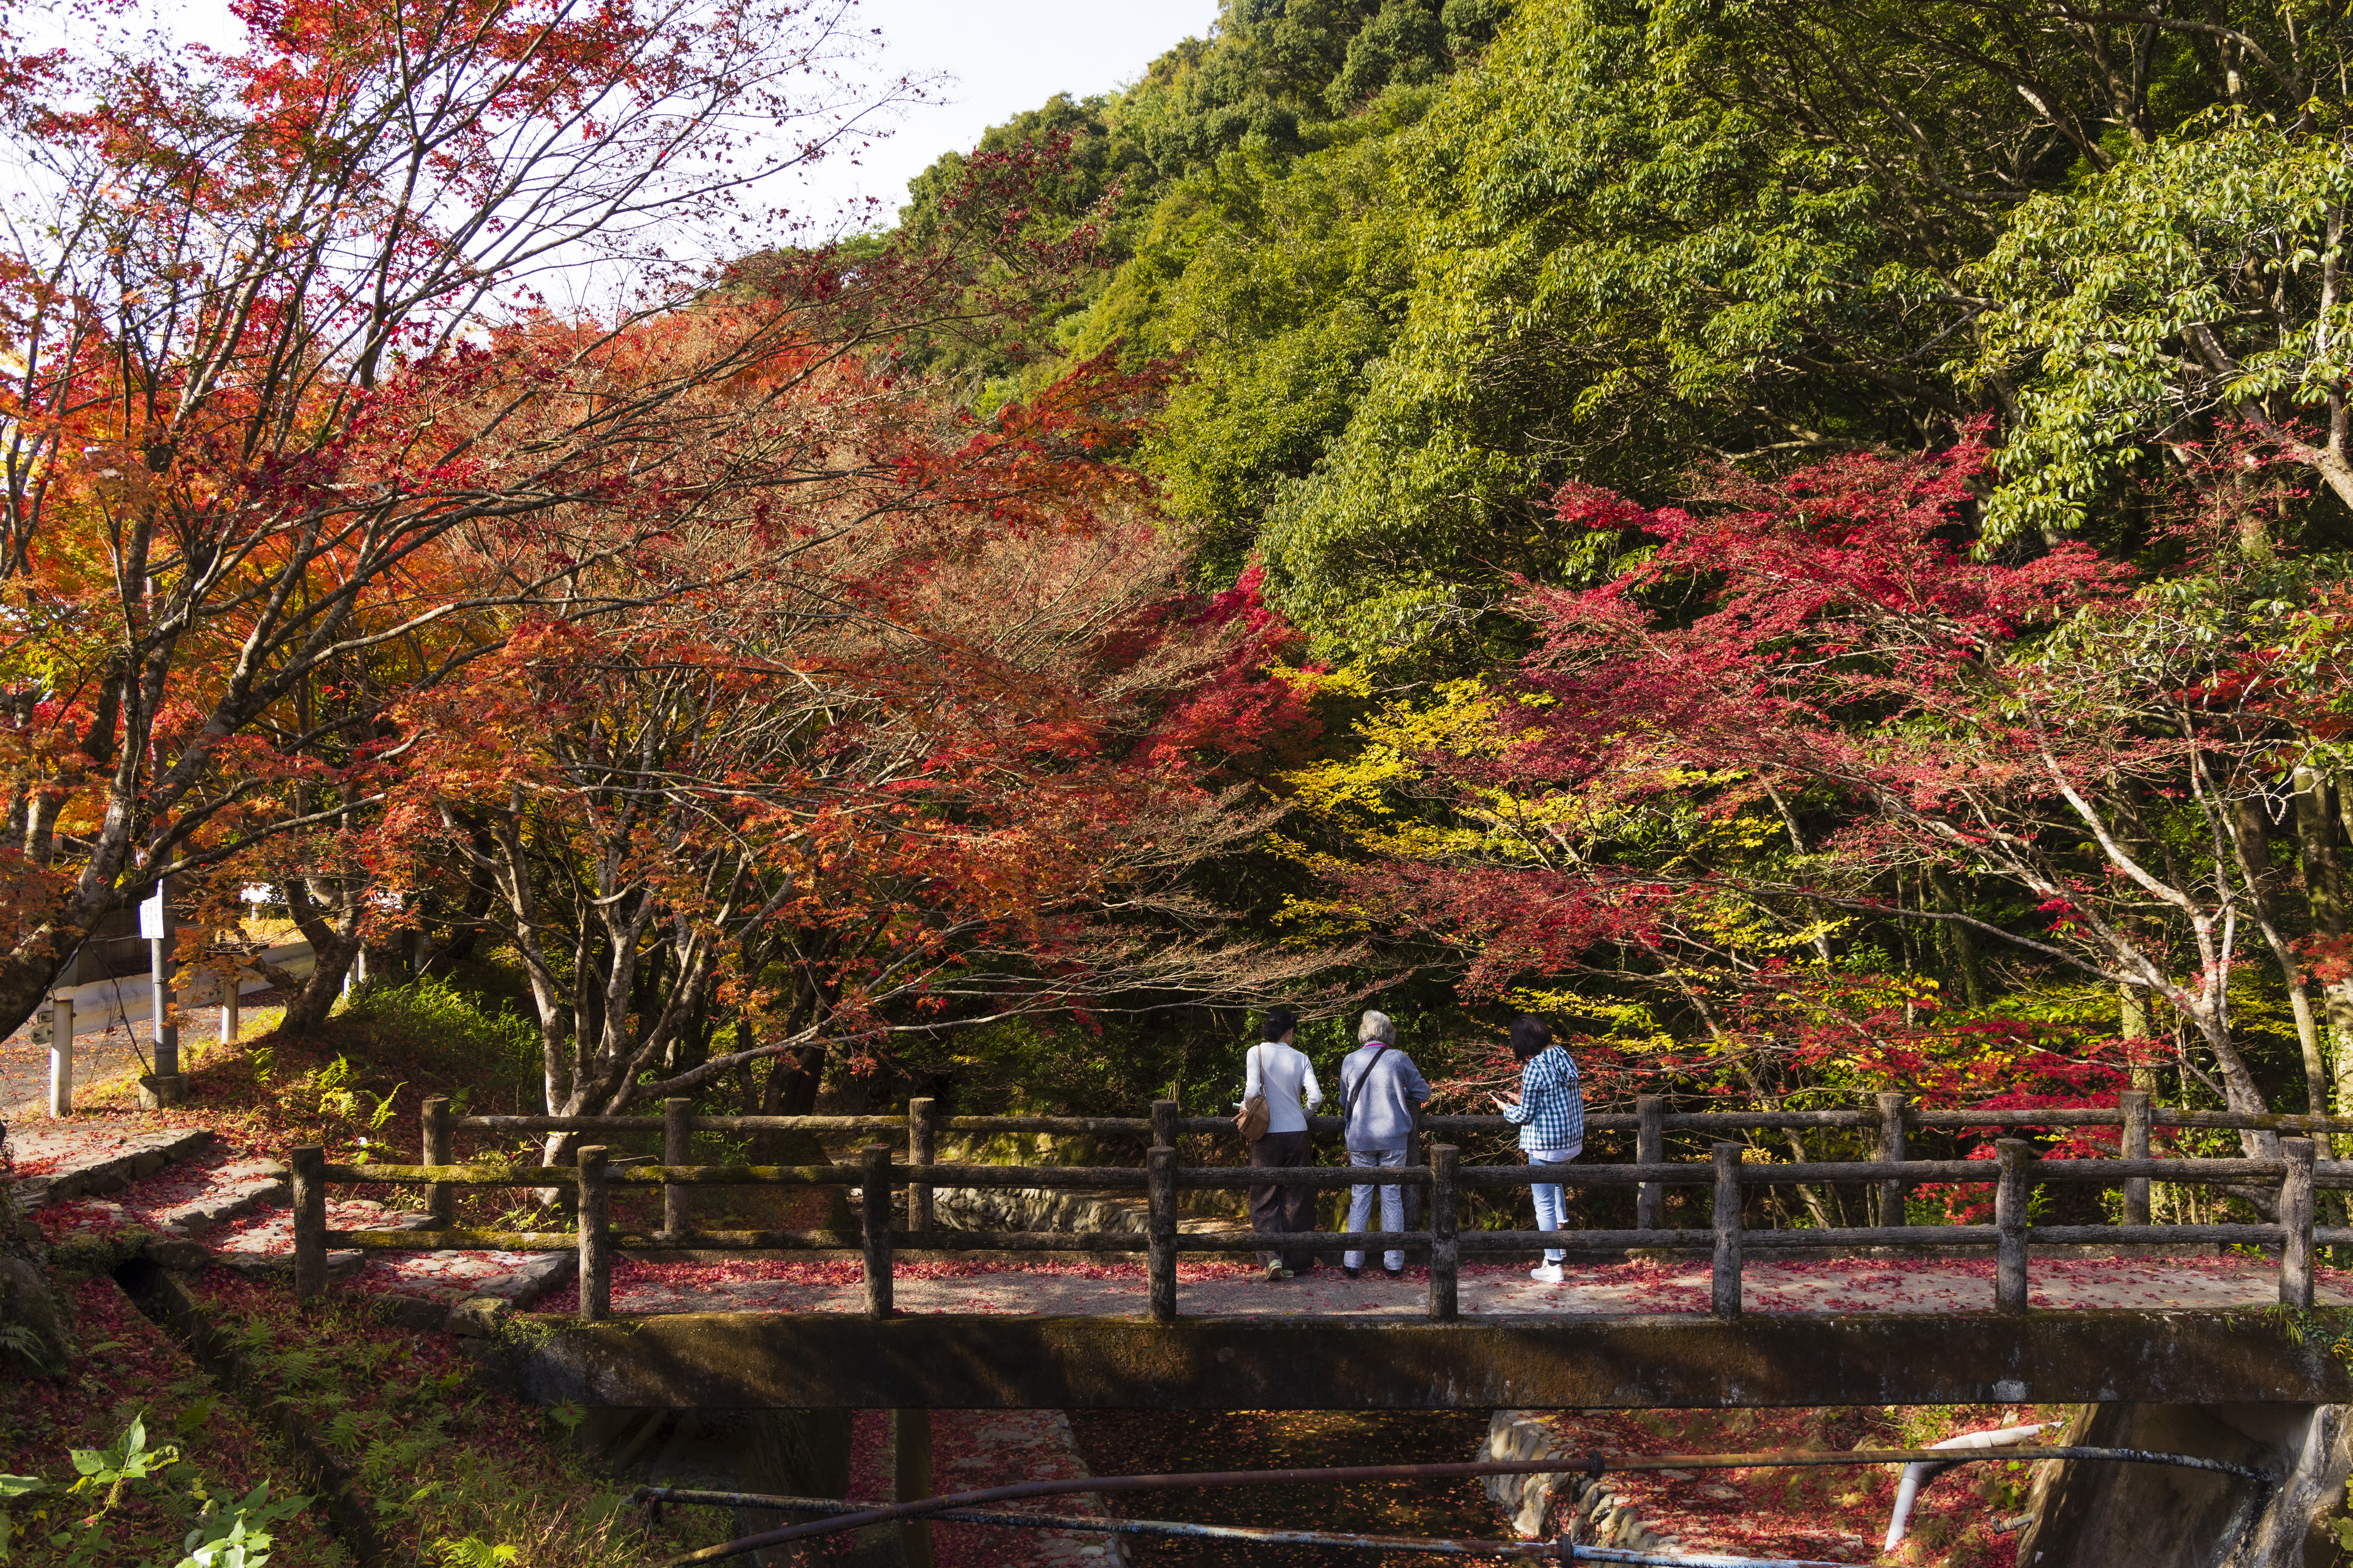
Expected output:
(1546, 1274)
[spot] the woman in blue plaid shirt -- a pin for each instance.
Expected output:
(1550, 1111)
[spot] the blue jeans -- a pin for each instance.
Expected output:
(1360, 1205)
(1552, 1210)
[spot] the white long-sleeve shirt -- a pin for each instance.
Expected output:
(1286, 1077)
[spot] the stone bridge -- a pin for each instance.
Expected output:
(959, 1361)
(2235, 1341)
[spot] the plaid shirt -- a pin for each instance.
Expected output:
(1551, 1111)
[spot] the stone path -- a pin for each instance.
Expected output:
(977, 1448)
(54, 1161)
(1861, 1284)
(89, 1180)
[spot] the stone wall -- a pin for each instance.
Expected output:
(2090, 1513)
(1537, 1505)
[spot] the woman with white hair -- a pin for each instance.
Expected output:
(1380, 1089)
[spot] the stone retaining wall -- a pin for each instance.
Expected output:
(1538, 1505)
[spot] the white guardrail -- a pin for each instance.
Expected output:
(103, 1004)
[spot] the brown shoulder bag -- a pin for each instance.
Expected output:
(1252, 1120)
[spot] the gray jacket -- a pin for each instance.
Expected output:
(1386, 1088)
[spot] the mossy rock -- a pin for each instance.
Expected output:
(96, 1252)
(32, 1324)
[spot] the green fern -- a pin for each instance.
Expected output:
(472, 1552)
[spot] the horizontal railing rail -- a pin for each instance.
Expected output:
(1618, 1121)
(1210, 1178)
(2287, 1183)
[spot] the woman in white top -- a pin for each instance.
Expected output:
(1283, 1073)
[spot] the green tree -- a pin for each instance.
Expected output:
(1614, 273)
(2190, 290)
(1281, 287)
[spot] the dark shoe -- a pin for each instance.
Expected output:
(1352, 1273)
(1392, 1273)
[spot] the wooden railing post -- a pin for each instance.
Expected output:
(1892, 1153)
(1650, 1149)
(2295, 1205)
(678, 1148)
(874, 1192)
(2012, 1193)
(596, 1236)
(1160, 1199)
(309, 1222)
(2133, 1144)
(1445, 1249)
(923, 1139)
(1164, 1123)
(433, 1146)
(1728, 1230)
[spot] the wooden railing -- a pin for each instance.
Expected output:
(2293, 1176)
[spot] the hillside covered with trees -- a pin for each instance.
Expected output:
(1817, 534)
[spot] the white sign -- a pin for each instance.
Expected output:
(154, 919)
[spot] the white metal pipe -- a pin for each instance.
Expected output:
(61, 1069)
(1919, 1471)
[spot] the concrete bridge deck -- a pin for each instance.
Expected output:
(1852, 1332)
(1677, 1360)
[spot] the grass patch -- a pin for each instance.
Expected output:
(453, 1469)
(125, 1369)
(357, 1087)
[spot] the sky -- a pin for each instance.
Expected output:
(986, 61)
(1003, 56)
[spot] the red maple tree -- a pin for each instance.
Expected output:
(1812, 703)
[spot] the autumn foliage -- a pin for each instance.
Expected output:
(1813, 707)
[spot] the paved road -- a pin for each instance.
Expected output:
(119, 1053)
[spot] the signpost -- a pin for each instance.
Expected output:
(165, 1087)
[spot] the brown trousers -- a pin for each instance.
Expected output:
(1283, 1208)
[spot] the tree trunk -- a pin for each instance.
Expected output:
(1960, 944)
(41, 826)
(2253, 835)
(793, 1079)
(465, 930)
(334, 943)
(2134, 1022)
(2317, 804)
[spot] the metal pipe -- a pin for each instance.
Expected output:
(1919, 1472)
(1594, 1465)
(1436, 1546)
